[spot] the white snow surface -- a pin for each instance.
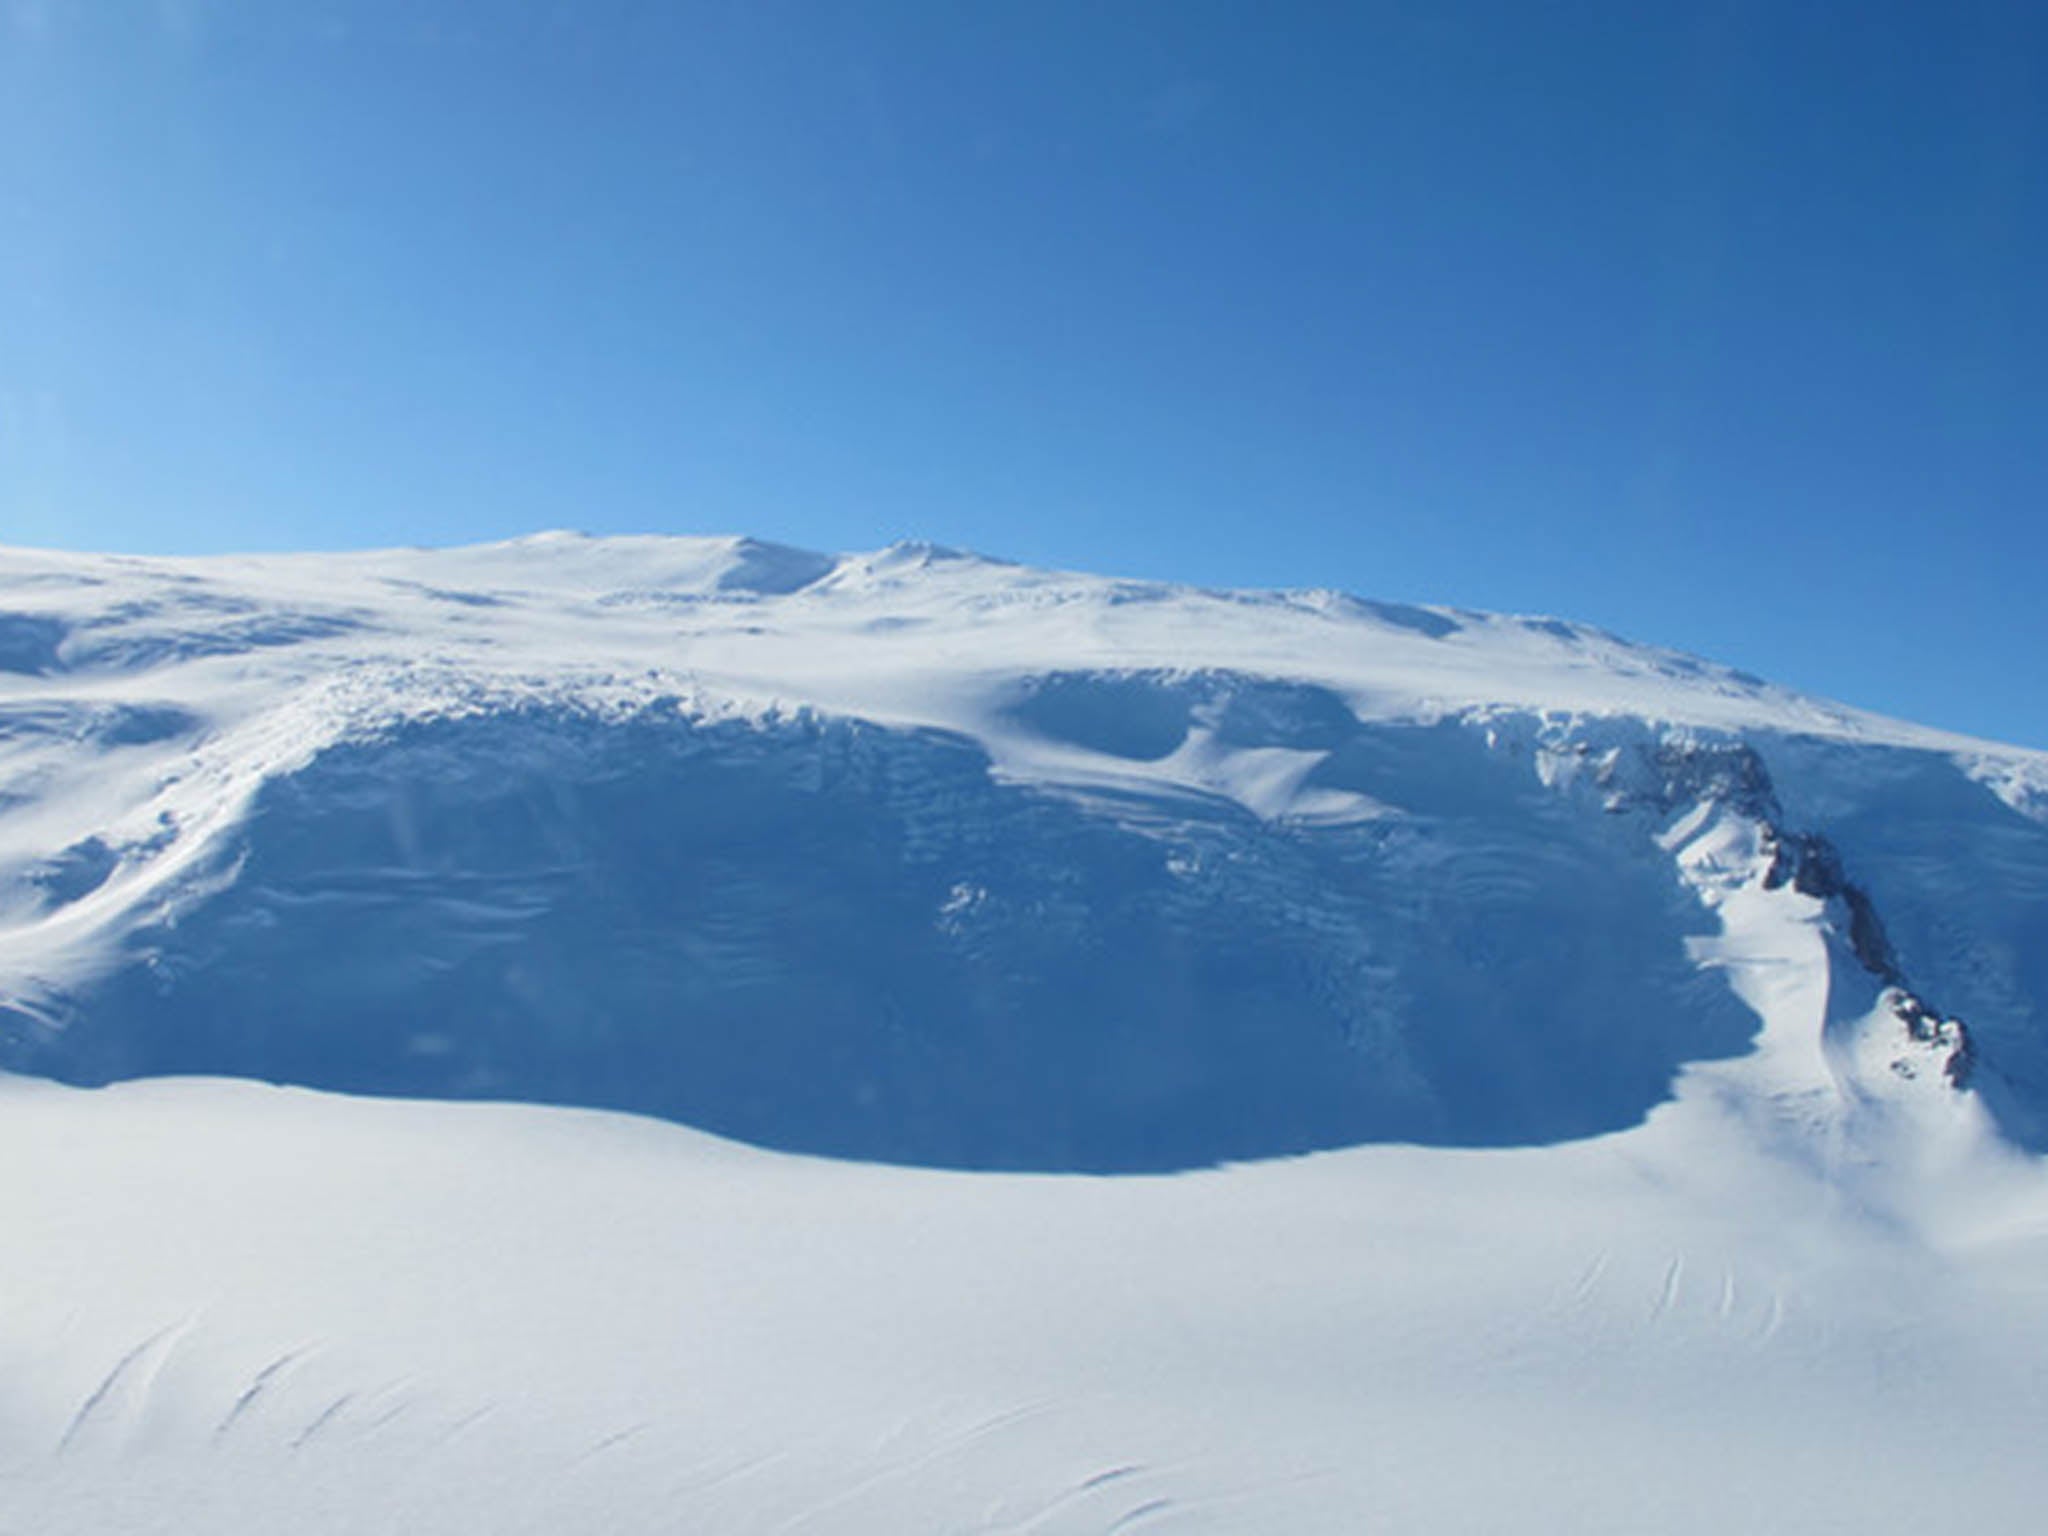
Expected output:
(1808, 1292)
(212, 675)
(910, 634)
(236, 1308)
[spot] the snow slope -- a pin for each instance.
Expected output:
(1674, 1043)
(232, 1308)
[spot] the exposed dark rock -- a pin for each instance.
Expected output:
(1736, 775)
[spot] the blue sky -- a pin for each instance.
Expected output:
(1725, 326)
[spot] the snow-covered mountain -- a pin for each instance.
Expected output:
(923, 857)
(916, 858)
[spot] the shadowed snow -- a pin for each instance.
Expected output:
(834, 938)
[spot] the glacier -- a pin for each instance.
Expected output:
(954, 1046)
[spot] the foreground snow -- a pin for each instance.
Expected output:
(238, 1309)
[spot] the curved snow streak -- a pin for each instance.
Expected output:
(1774, 1318)
(616, 1438)
(464, 1424)
(321, 1421)
(100, 1393)
(1064, 1501)
(1132, 1519)
(1668, 1294)
(255, 1389)
(746, 1467)
(1744, 1307)
(951, 1445)
(397, 1410)
(135, 1361)
(1591, 1275)
(1115, 1483)
(1103, 1479)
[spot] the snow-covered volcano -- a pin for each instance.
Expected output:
(923, 857)
(1674, 1019)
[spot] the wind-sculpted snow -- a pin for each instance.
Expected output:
(28, 642)
(920, 857)
(830, 937)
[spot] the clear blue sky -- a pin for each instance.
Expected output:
(1724, 325)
